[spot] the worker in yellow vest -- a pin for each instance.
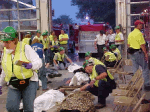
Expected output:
(38, 36)
(45, 41)
(54, 45)
(116, 51)
(94, 60)
(51, 37)
(101, 82)
(19, 62)
(119, 39)
(27, 39)
(110, 58)
(60, 59)
(63, 40)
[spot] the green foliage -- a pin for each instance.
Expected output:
(63, 19)
(98, 10)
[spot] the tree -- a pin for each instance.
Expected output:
(63, 19)
(98, 10)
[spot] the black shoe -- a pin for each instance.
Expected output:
(51, 75)
(147, 88)
(49, 82)
(58, 75)
(21, 110)
(99, 106)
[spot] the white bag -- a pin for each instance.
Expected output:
(73, 67)
(78, 79)
(48, 100)
(40, 83)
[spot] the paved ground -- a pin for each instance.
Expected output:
(56, 82)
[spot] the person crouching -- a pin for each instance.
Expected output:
(101, 82)
(116, 51)
(110, 58)
(60, 59)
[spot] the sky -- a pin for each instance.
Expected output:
(62, 7)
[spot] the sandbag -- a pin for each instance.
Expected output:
(48, 100)
(78, 79)
(78, 100)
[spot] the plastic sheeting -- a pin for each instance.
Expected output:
(48, 100)
(78, 79)
(73, 67)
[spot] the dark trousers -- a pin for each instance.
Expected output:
(110, 64)
(102, 91)
(100, 51)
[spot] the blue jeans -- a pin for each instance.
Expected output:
(42, 73)
(120, 47)
(47, 56)
(61, 66)
(102, 91)
(138, 59)
(28, 95)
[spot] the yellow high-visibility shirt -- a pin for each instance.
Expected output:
(136, 39)
(51, 37)
(63, 36)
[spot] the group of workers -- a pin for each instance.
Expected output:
(21, 62)
(103, 40)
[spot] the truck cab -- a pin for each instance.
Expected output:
(82, 37)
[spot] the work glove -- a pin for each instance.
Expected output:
(0, 90)
(55, 47)
(27, 65)
(57, 66)
(78, 89)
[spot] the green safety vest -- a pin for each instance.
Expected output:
(118, 53)
(19, 71)
(54, 43)
(117, 37)
(94, 75)
(96, 61)
(111, 55)
(26, 40)
(45, 42)
(60, 57)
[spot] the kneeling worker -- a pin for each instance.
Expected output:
(110, 58)
(59, 59)
(116, 51)
(96, 61)
(101, 82)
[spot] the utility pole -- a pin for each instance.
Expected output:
(50, 15)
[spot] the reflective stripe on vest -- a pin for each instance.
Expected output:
(60, 57)
(26, 40)
(118, 53)
(94, 75)
(45, 42)
(96, 61)
(112, 57)
(36, 37)
(54, 43)
(19, 71)
(117, 37)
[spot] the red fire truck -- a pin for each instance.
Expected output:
(82, 37)
(145, 16)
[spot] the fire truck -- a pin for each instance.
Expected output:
(81, 37)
